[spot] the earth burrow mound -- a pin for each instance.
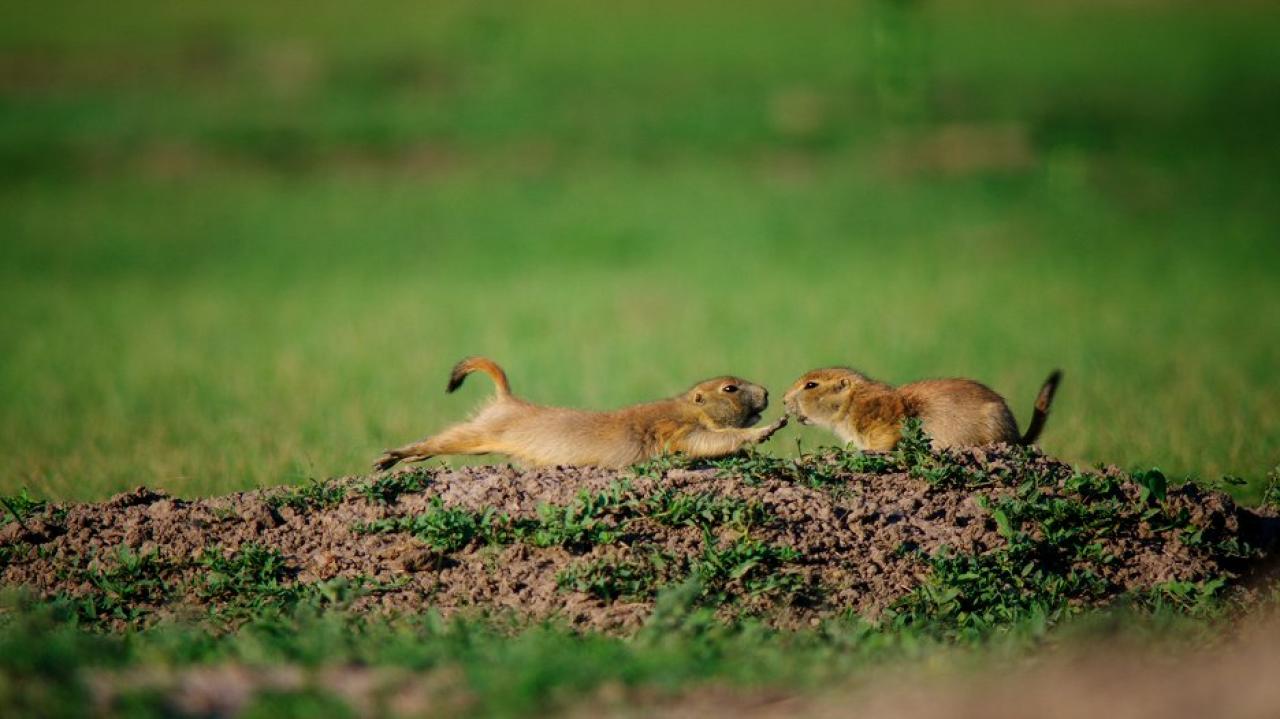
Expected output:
(959, 538)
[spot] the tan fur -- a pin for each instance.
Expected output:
(869, 414)
(711, 419)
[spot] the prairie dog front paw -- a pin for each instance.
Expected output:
(777, 425)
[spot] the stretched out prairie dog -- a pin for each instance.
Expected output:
(869, 414)
(711, 419)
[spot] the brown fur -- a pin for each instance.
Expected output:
(869, 414)
(711, 419)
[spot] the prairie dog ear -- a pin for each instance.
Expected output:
(844, 382)
(698, 398)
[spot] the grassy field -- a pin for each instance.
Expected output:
(243, 244)
(291, 662)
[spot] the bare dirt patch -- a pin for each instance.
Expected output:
(794, 543)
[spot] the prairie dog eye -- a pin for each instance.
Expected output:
(810, 385)
(730, 388)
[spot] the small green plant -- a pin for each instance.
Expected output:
(124, 588)
(746, 566)
(387, 488)
(1054, 552)
(1087, 509)
(856, 461)
(814, 471)
(589, 520)
(1236, 549)
(448, 529)
(17, 551)
(1052, 541)
(972, 595)
(253, 575)
(703, 509)
(658, 467)
(1197, 599)
(608, 581)
(315, 494)
(754, 467)
(18, 507)
(1089, 488)
(1153, 490)
(1153, 486)
(135, 576)
(915, 455)
(914, 446)
(256, 582)
(742, 567)
(1271, 491)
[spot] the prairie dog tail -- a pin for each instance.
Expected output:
(481, 364)
(1041, 412)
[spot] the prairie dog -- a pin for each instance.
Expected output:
(869, 414)
(711, 419)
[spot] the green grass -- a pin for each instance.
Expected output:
(236, 256)
(494, 669)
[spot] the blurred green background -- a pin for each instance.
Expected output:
(242, 243)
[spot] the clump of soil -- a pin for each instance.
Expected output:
(792, 542)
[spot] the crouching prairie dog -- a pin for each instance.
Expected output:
(869, 414)
(711, 419)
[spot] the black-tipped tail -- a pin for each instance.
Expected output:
(479, 364)
(1041, 413)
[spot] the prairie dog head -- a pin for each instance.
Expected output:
(729, 401)
(821, 396)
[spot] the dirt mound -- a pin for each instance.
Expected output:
(794, 541)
